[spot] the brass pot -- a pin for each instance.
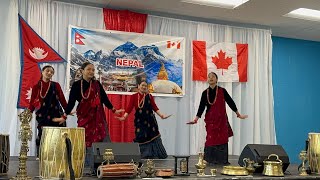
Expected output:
(234, 171)
(272, 168)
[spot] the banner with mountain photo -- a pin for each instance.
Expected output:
(123, 59)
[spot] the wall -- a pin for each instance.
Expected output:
(296, 90)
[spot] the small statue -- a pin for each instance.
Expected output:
(108, 156)
(202, 164)
(150, 168)
(303, 158)
(25, 135)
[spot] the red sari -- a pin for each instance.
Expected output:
(217, 125)
(91, 115)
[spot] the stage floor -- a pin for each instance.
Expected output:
(291, 172)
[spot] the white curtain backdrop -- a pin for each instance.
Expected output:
(254, 98)
(10, 70)
(174, 131)
(51, 19)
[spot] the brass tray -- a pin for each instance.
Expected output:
(234, 171)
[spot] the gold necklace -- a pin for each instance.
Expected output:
(46, 91)
(82, 90)
(142, 100)
(215, 98)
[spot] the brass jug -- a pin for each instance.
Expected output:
(250, 165)
(272, 168)
(202, 164)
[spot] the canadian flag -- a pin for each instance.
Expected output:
(173, 44)
(228, 60)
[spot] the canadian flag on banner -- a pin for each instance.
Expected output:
(228, 60)
(173, 44)
(34, 50)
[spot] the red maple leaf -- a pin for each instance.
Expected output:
(222, 62)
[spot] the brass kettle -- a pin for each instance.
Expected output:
(273, 167)
(250, 165)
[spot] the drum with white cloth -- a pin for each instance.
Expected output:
(62, 153)
(5, 153)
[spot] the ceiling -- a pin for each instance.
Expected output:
(266, 14)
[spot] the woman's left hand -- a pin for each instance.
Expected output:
(242, 116)
(120, 118)
(165, 116)
(59, 120)
(72, 113)
(119, 111)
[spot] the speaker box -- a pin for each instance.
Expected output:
(260, 152)
(122, 152)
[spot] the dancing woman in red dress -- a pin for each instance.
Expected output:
(146, 126)
(90, 111)
(218, 129)
(47, 99)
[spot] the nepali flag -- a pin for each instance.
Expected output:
(34, 50)
(228, 60)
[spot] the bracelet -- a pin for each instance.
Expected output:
(64, 117)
